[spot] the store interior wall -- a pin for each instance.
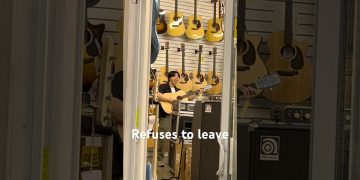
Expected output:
(5, 18)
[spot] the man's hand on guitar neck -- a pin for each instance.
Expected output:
(247, 92)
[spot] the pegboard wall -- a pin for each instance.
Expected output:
(110, 13)
(262, 18)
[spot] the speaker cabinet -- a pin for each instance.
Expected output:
(276, 152)
(205, 152)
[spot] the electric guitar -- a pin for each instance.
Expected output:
(287, 59)
(198, 77)
(250, 66)
(214, 32)
(185, 82)
(164, 70)
(213, 77)
(179, 95)
(161, 25)
(195, 29)
(176, 26)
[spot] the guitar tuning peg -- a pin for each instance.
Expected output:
(162, 48)
(178, 49)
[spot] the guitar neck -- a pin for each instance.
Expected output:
(183, 62)
(176, 9)
(188, 94)
(167, 60)
(241, 20)
(214, 21)
(288, 22)
(195, 9)
(199, 64)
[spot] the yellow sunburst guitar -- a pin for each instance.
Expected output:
(185, 82)
(161, 25)
(175, 26)
(198, 77)
(250, 66)
(214, 77)
(214, 31)
(179, 95)
(287, 60)
(165, 69)
(195, 29)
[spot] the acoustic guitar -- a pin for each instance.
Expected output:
(164, 70)
(287, 59)
(213, 76)
(214, 32)
(195, 29)
(250, 66)
(179, 95)
(161, 25)
(185, 82)
(198, 77)
(175, 26)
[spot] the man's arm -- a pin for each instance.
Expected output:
(246, 92)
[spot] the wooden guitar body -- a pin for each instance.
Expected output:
(199, 82)
(167, 106)
(185, 83)
(296, 85)
(161, 26)
(215, 82)
(247, 74)
(89, 74)
(195, 30)
(175, 26)
(214, 32)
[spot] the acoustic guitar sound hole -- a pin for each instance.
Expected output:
(216, 26)
(216, 80)
(185, 77)
(197, 24)
(288, 52)
(243, 47)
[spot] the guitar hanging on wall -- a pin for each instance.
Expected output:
(250, 67)
(195, 29)
(185, 82)
(214, 31)
(175, 26)
(214, 77)
(287, 59)
(161, 25)
(164, 70)
(198, 77)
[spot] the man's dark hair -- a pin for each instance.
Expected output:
(173, 74)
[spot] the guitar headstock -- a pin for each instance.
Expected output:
(167, 45)
(182, 47)
(268, 81)
(199, 50)
(213, 52)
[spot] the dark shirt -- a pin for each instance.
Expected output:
(165, 88)
(117, 92)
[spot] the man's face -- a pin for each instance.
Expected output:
(174, 80)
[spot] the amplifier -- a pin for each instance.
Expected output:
(181, 122)
(291, 114)
(183, 107)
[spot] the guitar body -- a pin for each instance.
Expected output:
(89, 74)
(163, 75)
(216, 84)
(294, 87)
(195, 29)
(214, 32)
(185, 83)
(167, 106)
(161, 26)
(175, 27)
(199, 81)
(93, 38)
(247, 74)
